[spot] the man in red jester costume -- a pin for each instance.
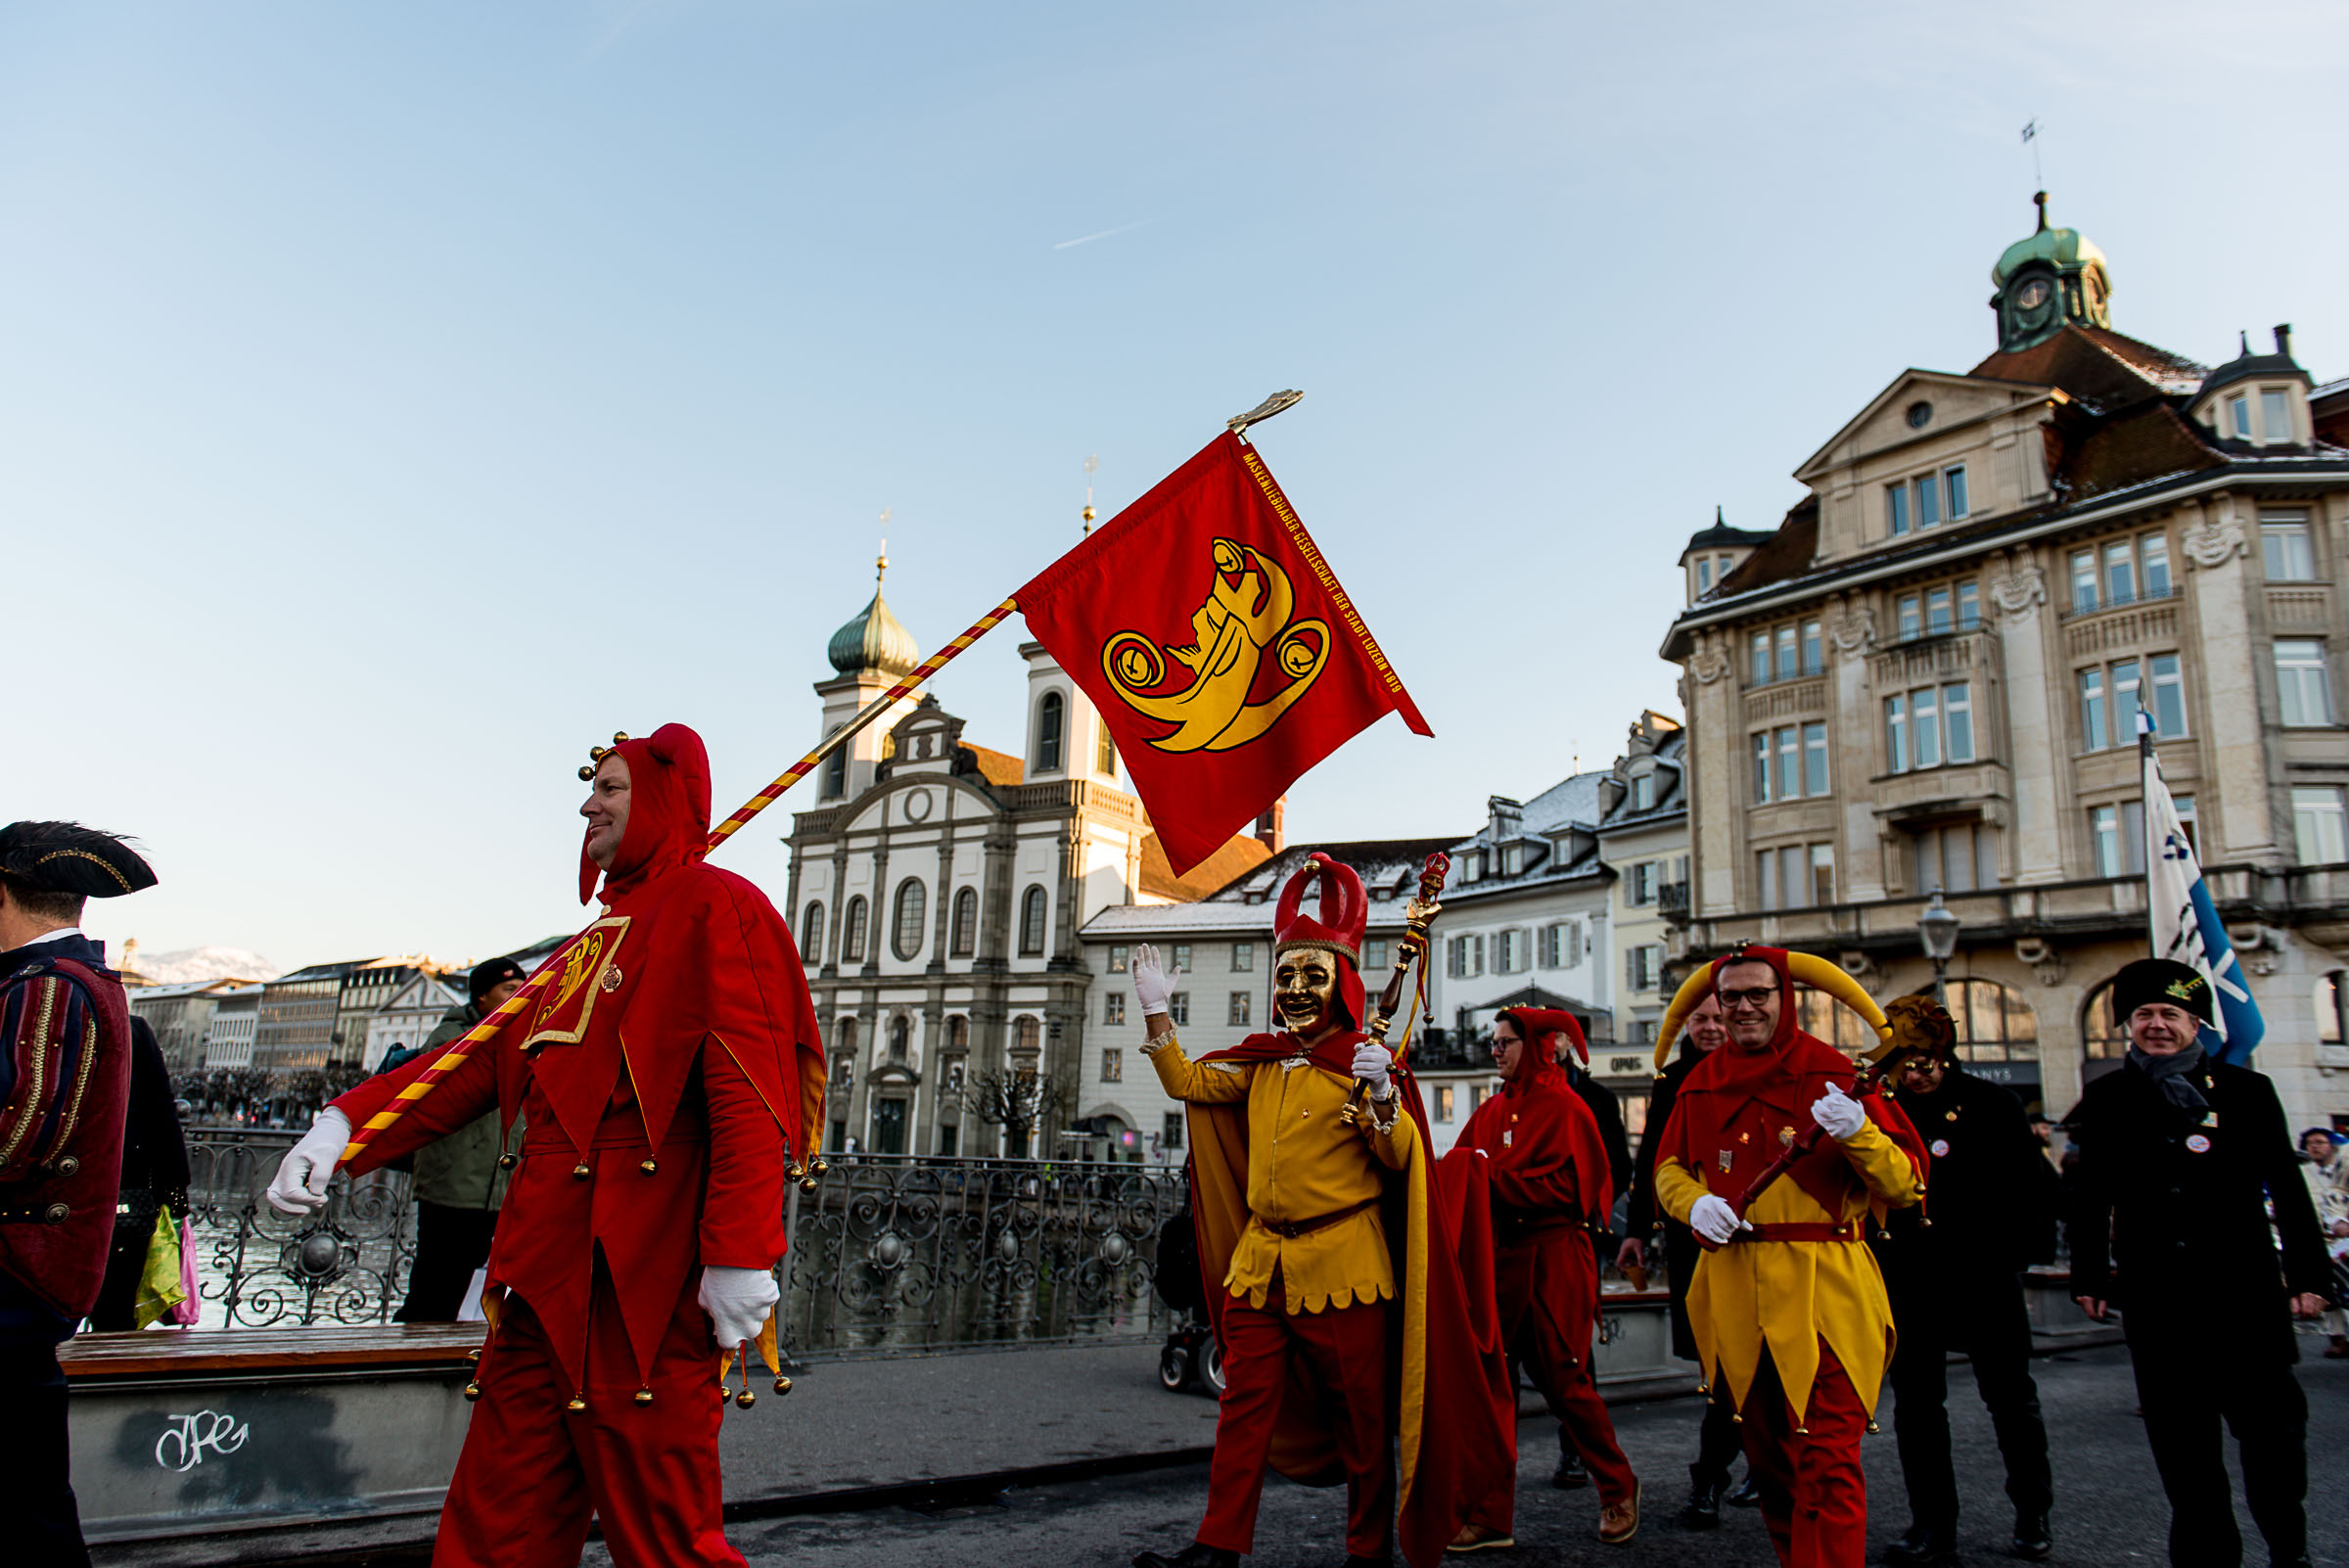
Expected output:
(1788, 1307)
(667, 1074)
(1539, 1148)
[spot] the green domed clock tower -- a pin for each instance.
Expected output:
(2051, 277)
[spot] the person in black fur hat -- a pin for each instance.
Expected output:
(2179, 1158)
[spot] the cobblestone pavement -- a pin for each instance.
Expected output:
(2110, 1507)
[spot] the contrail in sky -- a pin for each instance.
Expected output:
(1089, 239)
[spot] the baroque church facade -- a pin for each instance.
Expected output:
(936, 891)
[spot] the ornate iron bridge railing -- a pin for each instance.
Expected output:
(890, 1253)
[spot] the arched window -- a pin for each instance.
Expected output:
(1032, 923)
(959, 1032)
(2330, 994)
(843, 1034)
(2105, 1037)
(965, 941)
(1026, 1033)
(913, 907)
(1823, 1017)
(836, 774)
(1105, 754)
(812, 932)
(1993, 1024)
(901, 1034)
(851, 932)
(1049, 716)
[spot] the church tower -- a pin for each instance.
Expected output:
(870, 654)
(2051, 277)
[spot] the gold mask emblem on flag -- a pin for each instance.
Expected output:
(1246, 620)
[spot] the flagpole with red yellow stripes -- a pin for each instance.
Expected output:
(458, 1050)
(455, 1054)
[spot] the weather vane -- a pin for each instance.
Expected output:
(2031, 140)
(1092, 466)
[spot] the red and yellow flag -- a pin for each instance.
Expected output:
(1218, 645)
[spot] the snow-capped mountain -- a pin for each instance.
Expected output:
(203, 963)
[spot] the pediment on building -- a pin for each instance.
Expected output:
(893, 1074)
(1888, 422)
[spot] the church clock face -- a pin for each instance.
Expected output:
(2032, 296)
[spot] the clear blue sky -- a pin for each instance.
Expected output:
(398, 398)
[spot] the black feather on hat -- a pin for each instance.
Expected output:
(68, 857)
(2161, 980)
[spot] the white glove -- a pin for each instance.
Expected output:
(1149, 981)
(1838, 1114)
(300, 1186)
(1370, 1062)
(1714, 1220)
(737, 1301)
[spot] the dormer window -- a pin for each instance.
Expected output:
(1643, 793)
(1704, 574)
(1512, 860)
(2239, 416)
(1926, 501)
(2275, 416)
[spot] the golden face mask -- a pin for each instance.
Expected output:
(1305, 989)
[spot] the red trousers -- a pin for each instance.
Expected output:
(530, 1472)
(1814, 1497)
(1344, 1349)
(1548, 1295)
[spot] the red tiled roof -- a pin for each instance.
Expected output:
(2095, 365)
(1785, 554)
(1239, 855)
(999, 769)
(2131, 449)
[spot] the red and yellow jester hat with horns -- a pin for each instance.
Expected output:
(1338, 931)
(1802, 968)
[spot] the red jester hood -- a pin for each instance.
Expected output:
(1338, 931)
(1537, 1126)
(684, 952)
(1731, 1089)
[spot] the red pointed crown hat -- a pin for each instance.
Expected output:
(1337, 929)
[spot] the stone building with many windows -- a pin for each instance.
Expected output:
(935, 892)
(1925, 680)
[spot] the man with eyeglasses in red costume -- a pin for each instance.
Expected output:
(666, 1075)
(1787, 1306)
(1540, 1150)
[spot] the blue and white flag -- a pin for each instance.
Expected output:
(2185, 924)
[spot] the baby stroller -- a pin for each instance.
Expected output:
(1191, 1357)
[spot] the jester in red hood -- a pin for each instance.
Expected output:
(1538, 1146)
(1787, 1307)
(1331, 1259)
(668, 1075)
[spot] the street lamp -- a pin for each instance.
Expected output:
(1937, 929)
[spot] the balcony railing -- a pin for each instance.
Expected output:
(890, 1253)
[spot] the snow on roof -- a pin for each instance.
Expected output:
(1128, 922)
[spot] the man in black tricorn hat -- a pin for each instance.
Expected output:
(2179, 1158)
(65, 1080)
(1956, 1284)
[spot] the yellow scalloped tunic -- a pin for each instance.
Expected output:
(1303, 1163)
(1786, 1296)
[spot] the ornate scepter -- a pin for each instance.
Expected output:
(1417, 916)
